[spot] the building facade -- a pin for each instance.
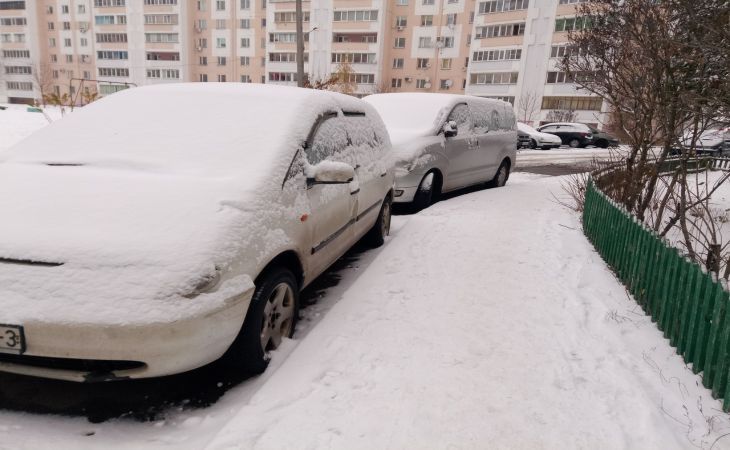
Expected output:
(506, 49)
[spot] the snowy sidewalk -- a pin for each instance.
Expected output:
(486, 322)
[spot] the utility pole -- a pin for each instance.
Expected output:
(300, 44)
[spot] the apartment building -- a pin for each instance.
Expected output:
(506, 49)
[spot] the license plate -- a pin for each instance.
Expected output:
(12, 339)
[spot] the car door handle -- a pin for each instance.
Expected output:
(383, 174)
(355, 191)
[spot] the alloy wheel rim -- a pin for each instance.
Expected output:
(278, 317)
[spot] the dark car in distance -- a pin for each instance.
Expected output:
(572, 134)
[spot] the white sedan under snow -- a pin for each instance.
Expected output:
(538, 139)
(163, 227)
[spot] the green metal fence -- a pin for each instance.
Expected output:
(685, 302)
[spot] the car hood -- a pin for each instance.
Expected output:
(80, 242)
(410, 144)
(545, 137)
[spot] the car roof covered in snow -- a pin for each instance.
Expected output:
(408, 115)
(207, 129)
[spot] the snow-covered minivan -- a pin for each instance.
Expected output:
(163, 227)
(444, 142)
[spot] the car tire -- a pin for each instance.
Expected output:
(276, 295)
(376, 236)
(501, 177)
(533, 143)
(574, 143)
(425, 192)
(602, 143)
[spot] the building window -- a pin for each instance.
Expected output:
(422, 63)
(512, 54)
(422, 84)
(400, 42)
(221, 78)
(497, 6)
(354, 58)
(427, 2)
(221, 42)
(160, 19)
(444, 84)
(571, 24)
(396, 82)
(559, 51)
(19, 85)
(13, 21)
(494, 78)
(356, 16)
(425, 42)
(245, 4)
(161, 37)
(245, 79)
(108, 3)
(112, 54)
(203, 78)
(401, 21)
(401, 2)
(398, 63)
(84, 42)
(450, 19)
(51, 26)
(67, 42)
(446, 64)
(66, 25)
(160, 2)
(113, 72)
(69, 59)
(245, 43)
(245, 61)
(220, 5)
(220, 24)
(564, 77)
(447, 41)
(493, 31)
(290, 16)
(362, 78)
(572, 103)
(426, 21)
(111, 37)
(282, 76)
(17, 70)
(244, 24)
(163, 56)
(202, 60)
(221, 60)
(64, 9)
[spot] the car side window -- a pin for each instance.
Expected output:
(329, 139)
(480, 117)
(460, 114)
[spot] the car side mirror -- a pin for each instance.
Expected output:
(450, 129)
(330, 172)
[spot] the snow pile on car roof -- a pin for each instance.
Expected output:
(413, 113)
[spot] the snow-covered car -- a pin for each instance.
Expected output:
(539, 139)
(161, 228)
(714, 141)
(444, 142)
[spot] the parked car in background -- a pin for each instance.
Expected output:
(163, 227)
(523, 139)
(572, 134)
(602, 139)
(714, 141)
(538, 139)
(444, 142)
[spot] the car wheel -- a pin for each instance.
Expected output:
(501, 177)
(424, 194)
(533, 143)
(574, 143)
(271, 317)
(376, 236)
(602, 143)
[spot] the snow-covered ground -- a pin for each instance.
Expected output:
(16, 122)
(486, 320)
